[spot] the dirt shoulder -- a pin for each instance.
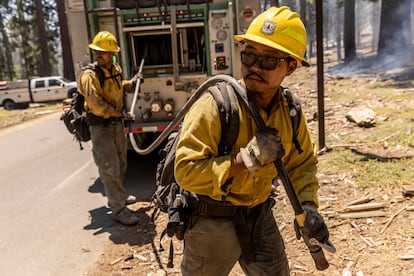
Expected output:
(11, 119)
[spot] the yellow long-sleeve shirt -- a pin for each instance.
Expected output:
(102, 101)
(199, 169)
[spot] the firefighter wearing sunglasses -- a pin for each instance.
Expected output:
(273, 47)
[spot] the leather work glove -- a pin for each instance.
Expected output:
(262, 149)
(314, 227)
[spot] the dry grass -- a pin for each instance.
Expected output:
(13, 117)
(380, 155)
(367, 172)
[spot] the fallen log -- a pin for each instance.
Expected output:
(361, 200)
(364, 214)
(363, 207)
(406, 257)
(409, 208)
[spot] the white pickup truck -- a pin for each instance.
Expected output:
(19, 94)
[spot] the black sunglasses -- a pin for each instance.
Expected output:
(265, 62)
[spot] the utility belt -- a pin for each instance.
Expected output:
(205, 206)
(94, 120)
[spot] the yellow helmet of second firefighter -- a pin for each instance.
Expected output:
(279, 28)
(104, 41)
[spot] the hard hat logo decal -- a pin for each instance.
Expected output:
(268, 27)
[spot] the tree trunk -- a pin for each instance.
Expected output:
(395, 31)
(45, 66)
(375, 19)
(7, 51)
(274, 3)
(68, 68)
(349, 30)
(24, 46)
(302, 9)
(338, 32)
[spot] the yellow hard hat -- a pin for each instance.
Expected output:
(104, 41)
(279, 28)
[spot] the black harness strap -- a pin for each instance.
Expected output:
(101, 76)
(243, 235)
(295, 113)
(226, 101)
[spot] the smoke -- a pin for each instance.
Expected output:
(368, 62)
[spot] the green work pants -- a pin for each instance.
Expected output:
(109, 148)
(212, 248)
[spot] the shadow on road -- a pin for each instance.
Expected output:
(139, 178)
(97, 187)
(140, 182)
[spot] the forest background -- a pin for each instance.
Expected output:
(35, 39)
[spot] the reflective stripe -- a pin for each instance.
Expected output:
(148, 129)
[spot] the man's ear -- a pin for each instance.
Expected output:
(292, 65)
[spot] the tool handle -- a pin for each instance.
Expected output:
(316, 251)
(290, 191)
(318, 257)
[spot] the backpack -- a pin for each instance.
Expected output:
(169, 197)
(75, 119)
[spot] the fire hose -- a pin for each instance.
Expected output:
(171, 126)
(315, 247)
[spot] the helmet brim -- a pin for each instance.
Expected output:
(96, 48)
(269, 43)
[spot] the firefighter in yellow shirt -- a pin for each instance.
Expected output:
(273, 47)
(104, 104)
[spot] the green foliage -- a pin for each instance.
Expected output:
(19, 36)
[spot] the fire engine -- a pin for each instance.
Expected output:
(176, 45)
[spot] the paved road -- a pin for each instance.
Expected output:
(53, 215)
